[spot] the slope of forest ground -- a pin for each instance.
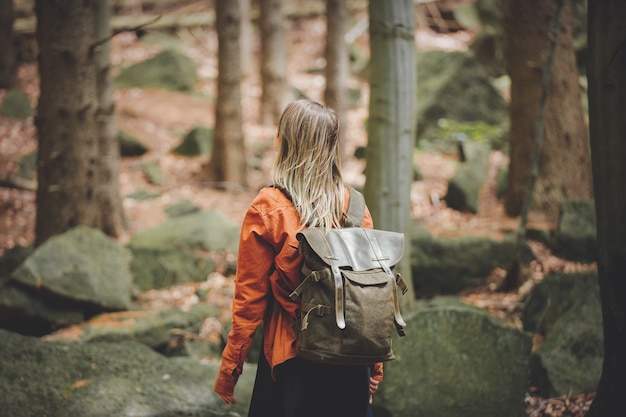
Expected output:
(159, 118)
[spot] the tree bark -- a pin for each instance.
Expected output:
(108, 191)
(228, 158)
(565, 147)
(75, 183)
(337, 69)
(607, 100)
(247, 52)
(391, 126)
(8, 59)
(273, 61)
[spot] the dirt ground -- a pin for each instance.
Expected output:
(160, 118)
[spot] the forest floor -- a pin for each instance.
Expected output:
(160, 118)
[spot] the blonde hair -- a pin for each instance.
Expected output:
(307, 164)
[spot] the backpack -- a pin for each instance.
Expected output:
(349, 300)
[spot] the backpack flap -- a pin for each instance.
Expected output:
(355, 248)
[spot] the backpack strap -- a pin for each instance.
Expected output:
(356, 208)
(383, 262)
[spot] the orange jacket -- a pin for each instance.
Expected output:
(268, 270)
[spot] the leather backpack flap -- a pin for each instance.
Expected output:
(356, 248)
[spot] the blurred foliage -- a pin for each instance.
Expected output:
(452, 132)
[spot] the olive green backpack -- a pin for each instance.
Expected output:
(349, 294)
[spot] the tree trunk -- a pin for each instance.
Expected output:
(273, 61)
(565, 147)
(228, 158)
(607, 100)
(108, 191)
(337, 70)
(246, 40)
(75, 183)
(391, 126)
(8, 61)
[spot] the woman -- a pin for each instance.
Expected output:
(308, 191)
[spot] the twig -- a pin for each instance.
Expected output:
(122, 30)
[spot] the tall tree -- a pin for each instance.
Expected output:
(565, 146)
(273, 61)
(337, 63)
(76, 184)
(246, 39)
(8, 60)
(391, 126)
(108, 165)
(607, 125)
(228, 158)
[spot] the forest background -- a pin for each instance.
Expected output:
(158, 118)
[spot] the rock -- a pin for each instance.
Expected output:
(16, 104)
(452, 85)
(162, 330)
(449, 265)
(566, 309)
(122, 379)
(195, 143)
(82, 265)
(168, 69)
(153, 173)
(575, 236)
(159, 268)
(69, 278)
(209, 230)
(455, 360)
(469, 179)
(130, 145)
(181, 208)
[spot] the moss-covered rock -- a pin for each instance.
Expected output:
(130, 145)
(456, 360)
(169, 70)
(452, 85)
(100, 380)
(196, 142)
(16, 104)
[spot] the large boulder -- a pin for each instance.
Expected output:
(159, 268)
(210, 230)
(566, 310)
(449, 265)
(452, 85)
(69, 277)
(122, 379)
(83, 265)
(455, 360)
(179, 249)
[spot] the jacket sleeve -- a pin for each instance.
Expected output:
(377, 371)
(255, 264)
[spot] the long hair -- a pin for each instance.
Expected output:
(307, 164)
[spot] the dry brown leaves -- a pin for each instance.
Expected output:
(565, 406)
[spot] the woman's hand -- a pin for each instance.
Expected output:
(373, 387)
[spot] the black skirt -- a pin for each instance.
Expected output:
(309, 389)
